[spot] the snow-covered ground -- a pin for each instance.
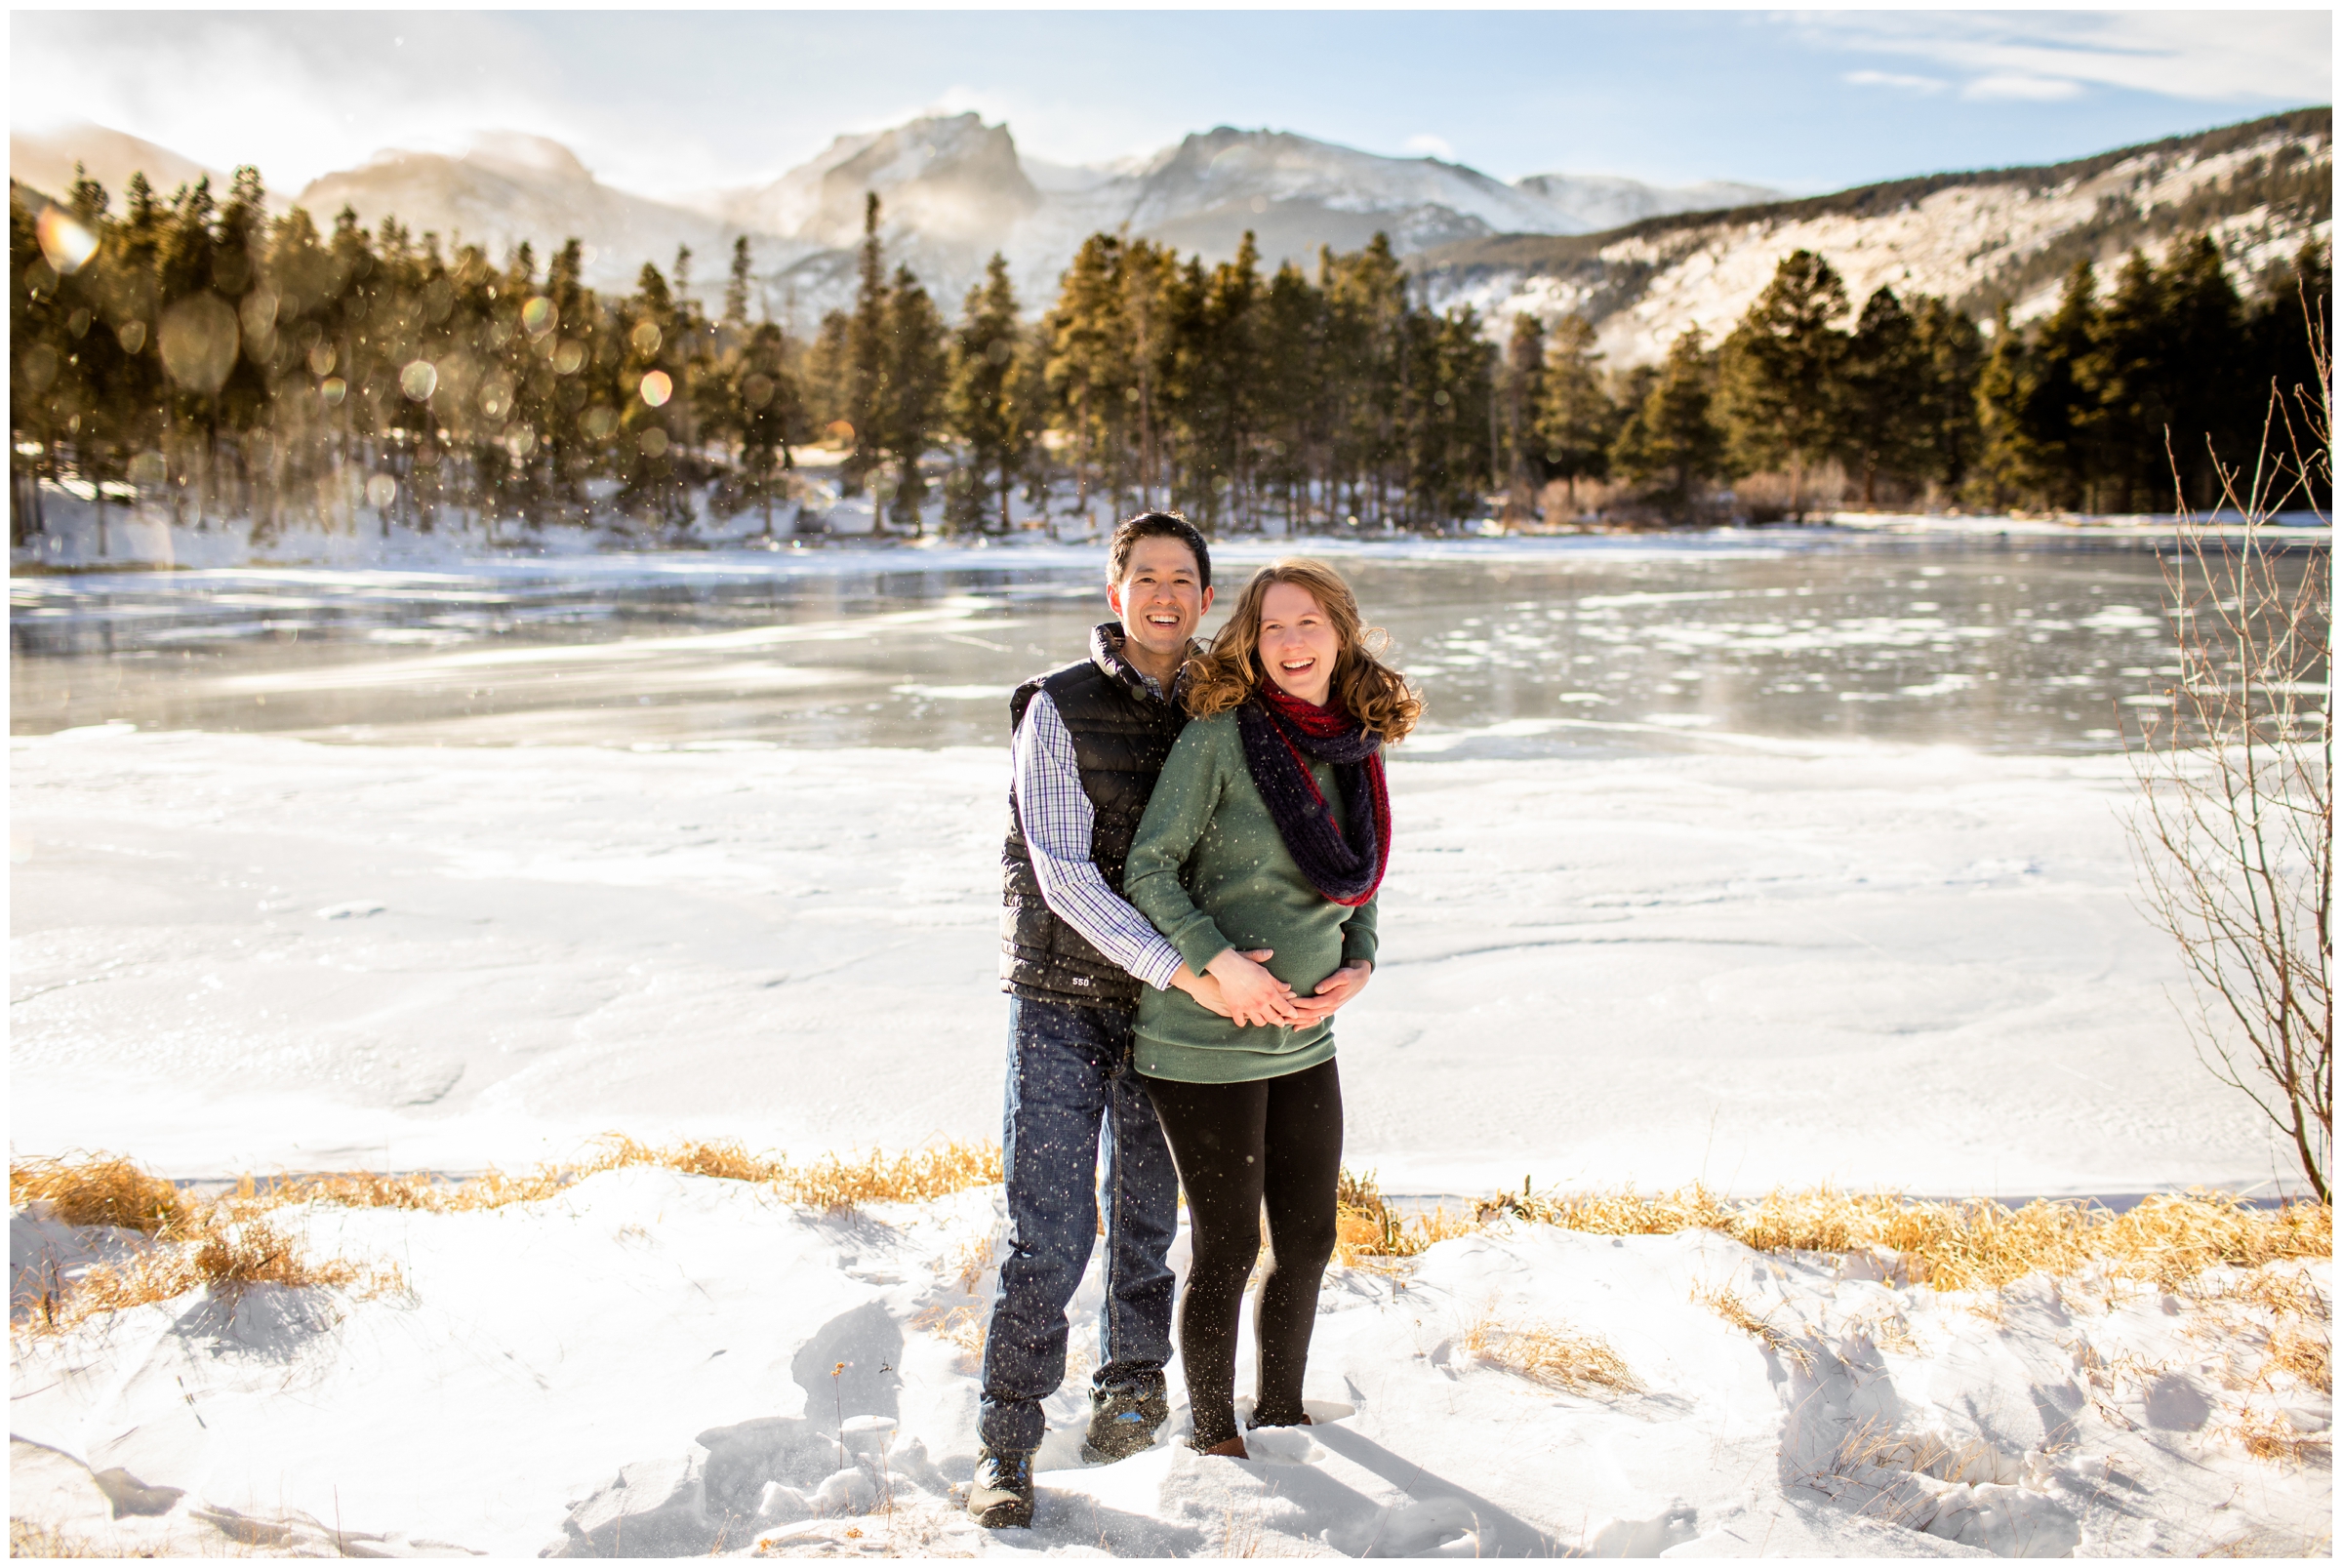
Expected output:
(1630, 944)
(657, 1364)
(1751, 961)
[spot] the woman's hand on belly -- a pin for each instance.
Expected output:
(1337, 989)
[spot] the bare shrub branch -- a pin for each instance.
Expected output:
(2234, 828)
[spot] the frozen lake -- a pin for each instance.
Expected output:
(1763, 860)
(2026, 646)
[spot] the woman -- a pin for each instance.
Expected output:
(1269, 829)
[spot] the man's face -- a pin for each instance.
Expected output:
(1159, 598)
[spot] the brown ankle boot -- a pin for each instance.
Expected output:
(1234, 1448)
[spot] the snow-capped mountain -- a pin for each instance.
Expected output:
(2260, 188)
(1644, 261)
(952, 180)
(955, 190)
(1295, 194)
(45, 160)
(510, 187)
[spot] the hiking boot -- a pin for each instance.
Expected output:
(1122, 1421)
(1000, 1497)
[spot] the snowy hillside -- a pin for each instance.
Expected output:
(2259, 188)
(1600, 202)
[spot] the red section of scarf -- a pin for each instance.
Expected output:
(1311, 719)
(1307, 717)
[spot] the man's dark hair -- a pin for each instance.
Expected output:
(1158, 525)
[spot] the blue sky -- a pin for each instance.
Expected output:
(666, 101)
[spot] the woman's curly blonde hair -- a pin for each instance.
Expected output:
(1228, 672)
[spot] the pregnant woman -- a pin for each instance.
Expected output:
(1268, 828)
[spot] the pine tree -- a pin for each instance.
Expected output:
(2034, 405)
(649, 427)
(2203, 371)
(1673, 434)
(1090, 358)
(1217, 377)
(1780, 372)
(1291, 399)
(829, 377)
(983, 354)
(1885, 379)
(914, 382)
(736, 290)
(765, 397)
(1576, 420)
(1149, 309)
(1951, 354)
(1520, 397)
(2125, 402)
(865, 356)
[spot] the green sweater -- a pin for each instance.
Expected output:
(1212, 871)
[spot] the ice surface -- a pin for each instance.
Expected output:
(1770, 963)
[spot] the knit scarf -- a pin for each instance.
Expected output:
(1280, 734)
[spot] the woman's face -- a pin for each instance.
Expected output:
(1297, 645)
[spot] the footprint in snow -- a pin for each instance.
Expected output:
(355, 910)
(1442, 1527)
(1281, 1445)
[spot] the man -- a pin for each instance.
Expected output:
(1089, 743)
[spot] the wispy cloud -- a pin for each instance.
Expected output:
(1895, 79)
(2023, 89)
(2206, 55)
(297, 94)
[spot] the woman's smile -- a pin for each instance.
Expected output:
(1298, 642)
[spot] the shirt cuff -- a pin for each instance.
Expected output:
(1200, 944)
(1158, 964)
(1358, 947)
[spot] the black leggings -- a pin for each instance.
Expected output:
(1237, 1144)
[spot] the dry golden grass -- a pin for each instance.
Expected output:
(973, 1261)
(2261, 1543)
(1552, 1354)
(2302, 1354)
(921, 1177)
(226, 1243)
(1976, 1245)
(100, 1189)
(2284, 1291)
(1368, 1230)
(227, 1262)
(962, 1327)
(1733, 1307)
(832, 1183)
(29, 1540)
(2272, 1437)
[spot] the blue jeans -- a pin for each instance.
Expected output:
(1071, 1077)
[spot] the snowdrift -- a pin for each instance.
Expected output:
(652, 1363)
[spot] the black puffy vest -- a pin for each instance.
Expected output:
(1122, 735)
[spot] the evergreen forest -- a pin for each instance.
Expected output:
(197, 351)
